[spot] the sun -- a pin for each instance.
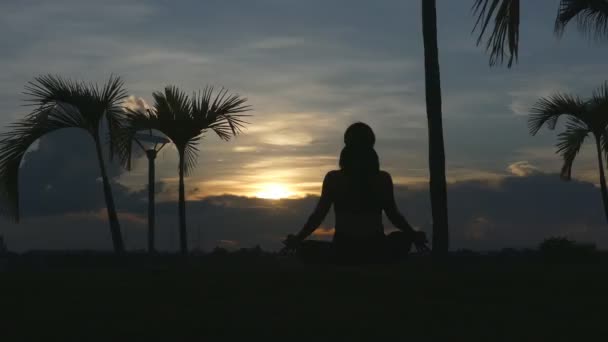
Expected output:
(274, 191)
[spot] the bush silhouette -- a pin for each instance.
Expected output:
(564, 249)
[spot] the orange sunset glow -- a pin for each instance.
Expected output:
(274, 191)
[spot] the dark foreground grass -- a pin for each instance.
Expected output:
(266, 298)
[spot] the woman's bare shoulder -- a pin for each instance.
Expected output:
(332, 179)
(385, 176)
(333, 174)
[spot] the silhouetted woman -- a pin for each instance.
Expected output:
(359, 191)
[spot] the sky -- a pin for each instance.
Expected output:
(308, 69)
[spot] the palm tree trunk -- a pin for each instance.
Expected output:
(117, 242)
(602, 177)
(183, 238)
(439, 202)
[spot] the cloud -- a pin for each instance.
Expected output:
(136, 104)
(522, 169)
(279, 43)
(524, 99)
(228, 244)
(62, 175)
(323, 233)
(478, 228)
(293, 139)
(244, 149)
(101, 215)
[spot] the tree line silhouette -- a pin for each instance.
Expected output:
(182, 119)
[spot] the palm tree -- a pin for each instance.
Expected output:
(585, 117)
(62, 103)
(591, 16)
(184, 120)
(438, 188)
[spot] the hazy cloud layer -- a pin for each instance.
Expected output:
(516, 212)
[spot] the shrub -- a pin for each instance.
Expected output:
(564, 249)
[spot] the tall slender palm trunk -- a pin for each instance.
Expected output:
(183, 237)
(600, 162)
(438, 188)
(117, 241)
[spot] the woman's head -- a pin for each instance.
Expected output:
(359, 135)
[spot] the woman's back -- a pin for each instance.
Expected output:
(358, 202)
(359, 192)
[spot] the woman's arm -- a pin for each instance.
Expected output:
(390, 206)
(318, 215)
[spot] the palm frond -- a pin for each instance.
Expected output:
(90, 101)
(598, 109)
(604, 142)
(569, 144)
(599, 101)
(547, 111)
(505, 34)
(178, 102)
(224, 115)
(190, 155)
(16, 141)
(591, 17)
(173, 110)
(113, 94)
(133, 122)
(184, 119)
(58, 103)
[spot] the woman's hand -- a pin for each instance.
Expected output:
(291, 242)
(421, 242)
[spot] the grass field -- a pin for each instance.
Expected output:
(267, 298)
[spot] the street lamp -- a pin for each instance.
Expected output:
(150, 144)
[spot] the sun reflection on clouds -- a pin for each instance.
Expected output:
(291, 129)
(274, 191)
(292, 139)
(324, 233)
(264, 189)
(242, 149)
(291, 163)
(292, 122)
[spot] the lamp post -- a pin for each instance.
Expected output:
(150, 144)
